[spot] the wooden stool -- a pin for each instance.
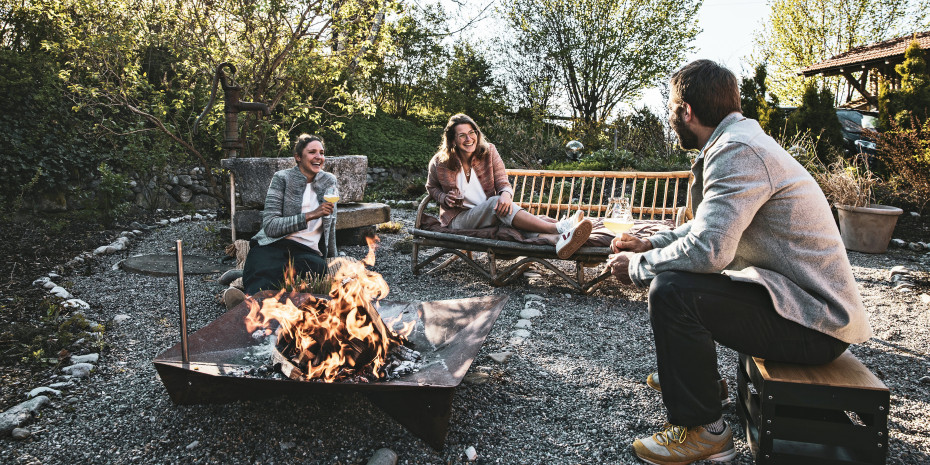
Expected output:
(794, 414)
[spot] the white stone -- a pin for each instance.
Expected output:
(76, 303)
(174, 220)
(120, 319)
(53, 275)
(59, 291)
(137, 232)
(41, 281)
(471, 454)
(520, 333)
(100, 250)
(915, 214)
(193, 445)
(515, 341)
(20, 433)
(49, 284)
(525, 324)
(121, 240)
(528, 297)
(112, 249)
(186, 217)
(89, 358)
(899, 243)
(62, 385)
(163, 222)
(501, 357)
(528, 313)
(125, 234)
(43, 390)
(78, 370)
(537, 304)
(925, 298)
(914, 246)
(16, 416)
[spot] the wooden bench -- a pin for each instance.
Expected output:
(654, 196)
(796, 414)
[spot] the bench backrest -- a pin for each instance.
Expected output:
(653, 195)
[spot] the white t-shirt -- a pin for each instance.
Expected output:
(309, 237)
(471, 189)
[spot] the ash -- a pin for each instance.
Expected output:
(402, 361)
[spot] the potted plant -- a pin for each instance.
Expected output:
(864, 225)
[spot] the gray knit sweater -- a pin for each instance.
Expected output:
(760, 217)
(282, 215)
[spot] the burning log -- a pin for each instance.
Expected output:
(340, 338)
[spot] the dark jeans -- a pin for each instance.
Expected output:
(265, 264)
(689, 311)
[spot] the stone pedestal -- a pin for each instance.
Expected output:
(253, 175)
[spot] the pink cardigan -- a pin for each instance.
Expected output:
(440, 179)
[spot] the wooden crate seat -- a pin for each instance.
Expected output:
(813, 414)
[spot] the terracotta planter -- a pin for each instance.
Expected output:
(867, 229)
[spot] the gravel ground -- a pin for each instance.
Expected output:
(573, 392)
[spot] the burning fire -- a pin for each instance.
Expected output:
(339, 338)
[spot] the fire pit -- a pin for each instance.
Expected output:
(226, 362)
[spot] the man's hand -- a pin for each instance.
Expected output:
(504, 204)
(619, 264)
(628, 243)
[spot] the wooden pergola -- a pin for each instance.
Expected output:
(863, 66)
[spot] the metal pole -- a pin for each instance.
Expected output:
(232, 206)
(181, 302)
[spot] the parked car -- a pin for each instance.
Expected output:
(853, 125)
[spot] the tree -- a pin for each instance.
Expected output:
(817, 116)
(911, 103)
(757, 103)
(532, 80)
(799, 33)
(606, 51)
(468, 86)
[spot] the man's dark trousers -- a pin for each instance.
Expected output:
(689, 311)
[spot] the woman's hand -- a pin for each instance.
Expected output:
(628, 243)
(504, 204)
(325, 208)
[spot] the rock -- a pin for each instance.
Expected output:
(100, 250)
(904, 286)
(43, 390)
(78, 370)
(515, 341)
(525, 324)
(914, 246)
(164, 222)
(898, 270)
(126, 234)
(175, 220)
(185, 180)
(287, 445)
(229, 277)
(49, 284)
(192, 445)
(521, 333)
(471, 454)
(76, 304)
(89, 358)
(530, 297)
(59, 291)
(501, 357)
(915, 214)
(20, 433)
(41, 281)
(53, 275)
(137, 232)
(62, 385)
(20, 414)
(137, 225)
(476, 378)
(537, 304)
(201, 200)
(925, 298)
(120, 319)
(383, 456)
(528, 313)
(925, 380)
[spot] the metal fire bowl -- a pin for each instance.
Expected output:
(448, 333)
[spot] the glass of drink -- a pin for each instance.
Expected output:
(619, 217)
(456, 197)
(331, 195)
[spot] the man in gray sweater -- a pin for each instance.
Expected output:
(760, 269)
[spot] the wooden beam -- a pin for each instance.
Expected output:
(860, 87)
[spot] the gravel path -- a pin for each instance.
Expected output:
(573, 392)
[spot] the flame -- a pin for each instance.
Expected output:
(336, 338)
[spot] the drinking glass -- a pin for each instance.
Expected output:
(456, 195)
(331, 195)
(619, 217)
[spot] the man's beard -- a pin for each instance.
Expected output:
(687, 139)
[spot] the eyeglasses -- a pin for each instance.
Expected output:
(470, 134)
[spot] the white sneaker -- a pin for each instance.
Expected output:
(232, 297)
(567, 224)
(570, 241)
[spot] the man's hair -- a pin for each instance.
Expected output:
(710, 89)
(305, 139)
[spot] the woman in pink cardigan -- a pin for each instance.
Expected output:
(468, 179)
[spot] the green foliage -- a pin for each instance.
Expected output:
(817, 116)
(758, 104)
(646, 135)
(386, 141)
(112, 193)
(524, 144)
(605, 160)
(912, 100)
(468, 86)
(606, 51)
(799, 33)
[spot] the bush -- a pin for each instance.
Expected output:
(912, 100)
(387, 142)
(524, 144)
(623, 160)
(907, 154)
(817, 116)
